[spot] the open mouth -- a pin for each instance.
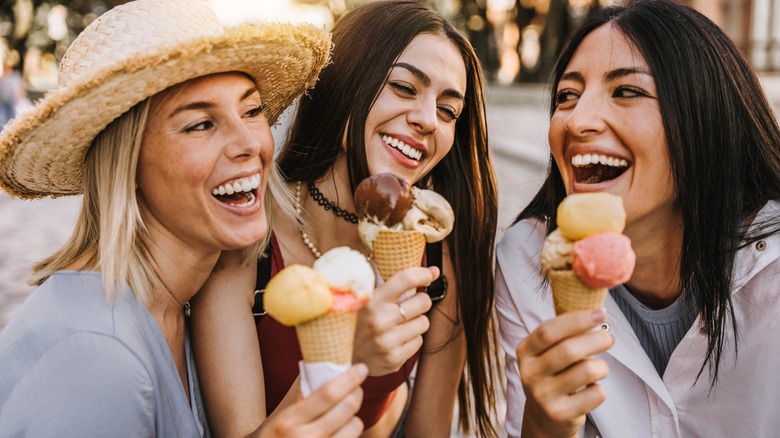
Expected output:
(241, 192)
(595, 168)
(408, 151)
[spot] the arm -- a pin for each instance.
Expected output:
(227, 351)
(440, 366)
(87, 385)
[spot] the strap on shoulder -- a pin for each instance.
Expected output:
(433, 257)
(263, 277)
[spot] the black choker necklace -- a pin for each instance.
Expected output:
(327, 204)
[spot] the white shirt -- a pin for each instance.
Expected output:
(639, 403)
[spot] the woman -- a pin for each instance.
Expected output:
(157, 112)
(680, 128)
(404, 95)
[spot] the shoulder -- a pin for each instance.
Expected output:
(86, 384)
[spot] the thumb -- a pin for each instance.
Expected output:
(404, 281)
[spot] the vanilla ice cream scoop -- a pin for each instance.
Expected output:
(347, 269)
(557, 252)
(430, 214)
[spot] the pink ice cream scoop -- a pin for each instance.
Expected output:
(604, 259)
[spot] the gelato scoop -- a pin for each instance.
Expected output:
(430, 214)
(297, 294)
(557, 252)
(384, 198)
(604, 259)
(350, 275)
(585, 214)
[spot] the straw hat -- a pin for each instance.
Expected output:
(135, 51)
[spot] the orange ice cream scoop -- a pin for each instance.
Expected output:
(297, 294)
(604, 260)
(584, 214)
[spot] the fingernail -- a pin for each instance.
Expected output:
(361, 369)
(598, 315)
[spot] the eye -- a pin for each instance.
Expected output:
(257, 111)
(565, 96)
(402, 88)
(448, 114)
(200, 126)
(628, 92)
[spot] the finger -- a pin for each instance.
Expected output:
(323, 399)
(415, 306)
(553, 331)
(339, 416)
(584, 401)
(403, 281)
(580, 375)
(352, 429)
(575, 349)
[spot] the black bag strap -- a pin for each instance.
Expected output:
(433, 256)
(263, 277)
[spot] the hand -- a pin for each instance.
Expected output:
(559, 375)
(389, 333)
(327, 412)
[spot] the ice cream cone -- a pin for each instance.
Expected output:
(570, 293)
(329, 338)
(395, 250)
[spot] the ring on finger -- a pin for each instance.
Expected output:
(401, 311)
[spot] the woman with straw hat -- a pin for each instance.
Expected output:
(162, 122)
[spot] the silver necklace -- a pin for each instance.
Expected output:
(186, 304)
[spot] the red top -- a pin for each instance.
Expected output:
(281, 354)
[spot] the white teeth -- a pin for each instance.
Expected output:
(404, 148)
(587, 159)
(243, 185)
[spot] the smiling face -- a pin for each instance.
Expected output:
(606, 133)
(204, 163)
(411, 125)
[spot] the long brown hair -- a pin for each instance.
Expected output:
(346, 91)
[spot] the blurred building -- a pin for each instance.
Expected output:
(517, 40)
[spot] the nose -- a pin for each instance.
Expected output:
(249, 139)
(587, 117)
(423, 117)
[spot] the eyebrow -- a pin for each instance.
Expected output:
(426, 80)
(199, 105)
(609, 76)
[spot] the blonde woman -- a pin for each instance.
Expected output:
(162, 123)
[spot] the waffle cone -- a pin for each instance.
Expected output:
(329, 338)
(395, 250)
(570, 293)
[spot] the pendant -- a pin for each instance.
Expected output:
(187, 309)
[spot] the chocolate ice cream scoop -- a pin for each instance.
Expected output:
(385, 198)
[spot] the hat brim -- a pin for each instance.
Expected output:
(42, 152)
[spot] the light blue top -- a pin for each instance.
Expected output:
(73, 364)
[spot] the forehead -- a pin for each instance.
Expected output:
(605, 49)
(438, 57)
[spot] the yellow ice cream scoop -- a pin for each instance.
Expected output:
(297, 294)
(584, 214)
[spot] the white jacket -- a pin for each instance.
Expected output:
(639, 403)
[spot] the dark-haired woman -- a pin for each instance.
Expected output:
(654, 103)
(404, 95)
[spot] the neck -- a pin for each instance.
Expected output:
(658, 246)
(325, 230)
